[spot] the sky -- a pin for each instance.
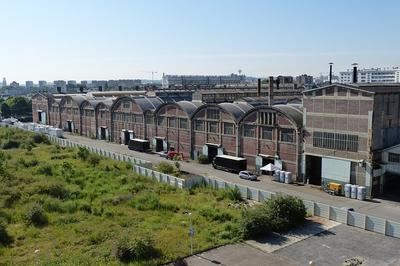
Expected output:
(99, 39)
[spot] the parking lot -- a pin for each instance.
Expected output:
(330, 247)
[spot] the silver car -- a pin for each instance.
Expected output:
(247, 175)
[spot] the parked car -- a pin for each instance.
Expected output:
(247, 175)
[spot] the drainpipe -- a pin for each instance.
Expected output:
(237, 127)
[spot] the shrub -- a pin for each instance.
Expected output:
(31, 163)
(150, 201)
(202, 159)
(10, 144)
(35, 215)
(39, 138)
(215, 214)
(45, 169)
(137, 249)
(165, 168)
(147, 201)
(93, 159)
(232, 194)
(285, 212)
(5, 238)
(82, 153)
(51, 188)
(254, 223)
(12, 198)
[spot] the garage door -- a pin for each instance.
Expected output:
(334, 169)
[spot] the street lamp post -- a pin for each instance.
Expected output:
(191, 231)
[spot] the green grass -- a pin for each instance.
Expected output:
(90, 206)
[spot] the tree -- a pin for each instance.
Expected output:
(19, 105)
(5, 110)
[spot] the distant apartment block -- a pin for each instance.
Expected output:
(29, 84)
(305, 80)
(169, 81)
(371, 75)
(42, 83)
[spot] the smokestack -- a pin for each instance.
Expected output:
(259, 87)
(278, 81)
(330, 73)
(271, 91)
(355, 74)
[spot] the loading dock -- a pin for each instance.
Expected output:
(313, 170)
(211, 150)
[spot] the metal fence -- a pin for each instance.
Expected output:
(351, 218)
(109, 154)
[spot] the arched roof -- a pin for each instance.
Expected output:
(235, 110)
(106, 102)
(294, 112)
(145, 103)
(92, 103)
(189, 107)
(78, 99)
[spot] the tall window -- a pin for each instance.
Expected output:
(394, 157)
(249, 131)
(266, 132)
(149, 120)
(171, 122)
(213, 127)
(183, 123)
(335, 141)
(212, 114)
(287, 135)
(198, 125)
(126, 105)
(229, 129)
(267, 118)
(161, 121)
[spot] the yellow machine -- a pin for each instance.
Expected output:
(336, 187)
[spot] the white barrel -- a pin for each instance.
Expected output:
(288, 178)
(282, 176)
(347, 190)
(361, 193)
(276, 175)
(353, 191)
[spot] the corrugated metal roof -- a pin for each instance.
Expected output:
(293, 111)
(189, 107)
(236, 110)
(147, 103)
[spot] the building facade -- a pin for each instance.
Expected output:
(371, 75)
(346, 127)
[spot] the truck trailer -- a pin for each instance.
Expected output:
(141, 145)
(229, 163)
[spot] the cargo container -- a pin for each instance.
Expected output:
(141, 145)
(229, 163)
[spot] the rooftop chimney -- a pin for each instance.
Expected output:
(355, 72)
(330, 72)
(271, 91)
(259, 87)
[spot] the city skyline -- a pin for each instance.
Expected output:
(96, 40)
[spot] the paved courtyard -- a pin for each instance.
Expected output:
(380, 208)
(330, 247)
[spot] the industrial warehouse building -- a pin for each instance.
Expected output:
(341, 133)
(347, 129)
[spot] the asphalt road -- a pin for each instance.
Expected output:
(380, 208)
